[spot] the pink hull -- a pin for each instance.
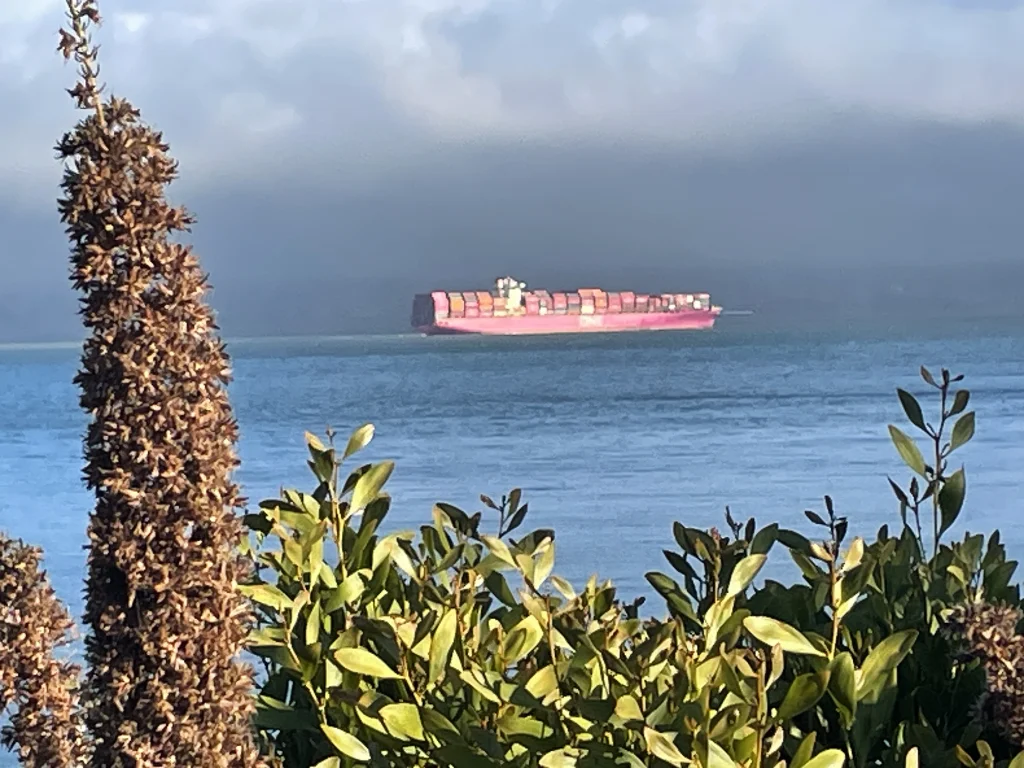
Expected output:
(525, 325)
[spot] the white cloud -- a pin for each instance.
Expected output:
(230, 79)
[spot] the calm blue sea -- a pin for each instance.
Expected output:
(611, 438)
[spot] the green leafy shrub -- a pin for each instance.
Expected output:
(457, 645)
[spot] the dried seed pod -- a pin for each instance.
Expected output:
(989, 633)
(164, 682)
(40, 691)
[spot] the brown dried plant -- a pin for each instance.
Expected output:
(164, 683)
(39, 691)
(989, 633)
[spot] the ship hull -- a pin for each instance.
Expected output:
(536, 325)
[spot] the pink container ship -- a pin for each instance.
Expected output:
(511, 310)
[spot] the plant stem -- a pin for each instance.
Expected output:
(937, 469)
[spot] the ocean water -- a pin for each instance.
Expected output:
(611, 438)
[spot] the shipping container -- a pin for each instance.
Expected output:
(484, 299)
(560, 299)
(472, 311)
(487, 311)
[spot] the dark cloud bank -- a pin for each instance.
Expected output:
(871, 225)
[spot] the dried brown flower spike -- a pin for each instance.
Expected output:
(164, 684)
(41, 692)
(989, 633)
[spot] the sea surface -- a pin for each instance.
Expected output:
(611, 438)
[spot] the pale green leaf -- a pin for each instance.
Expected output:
(522, 639)
(744, 573)
(908, 450)
(627, 708)
(558, 758)
(545, 563)
(359, 439)
(718, 757)
(771, 631)
(403, 720)
(441, 644)
(499, 548)
(363, 662)
(830, 758)
(661, 746)
(266, 594)
(542, 682)
(369, 485)
(346, 743)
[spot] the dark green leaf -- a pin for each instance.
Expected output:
(963, 431)
(951, 499)
(498, 587)
(803, 693)
(883, 660)
(912, 408)
(803, 753)
(815, 518)
(764, 539)
(369, 485)
(960, 401)
(517, 518)
(794, 541)
(842, 687)
(678, 562)
(900, 494)
(927, 376)
(673, 595)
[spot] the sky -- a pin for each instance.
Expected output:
(799, 158)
